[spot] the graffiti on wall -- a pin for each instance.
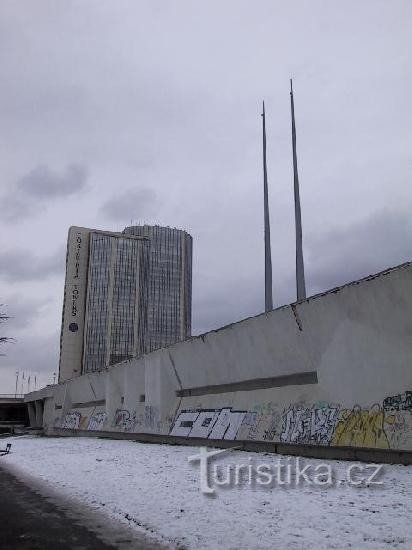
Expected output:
(97, 421)
(401, 402)
(71, 420)
(208, 423)
(386, 425)
(247, 429)
(225, 424)
(359, 427)
(151, 417)
(132, 421)
(124, 420)
(313, 426)
(379, 426)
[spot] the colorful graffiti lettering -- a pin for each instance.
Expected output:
(320, 424)
(362, 428)
(384, 425)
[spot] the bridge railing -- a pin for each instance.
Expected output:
(8, 395)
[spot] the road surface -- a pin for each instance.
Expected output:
(30, 520)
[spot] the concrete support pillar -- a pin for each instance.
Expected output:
(32, 414)
(39, 414)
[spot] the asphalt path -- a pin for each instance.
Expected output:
(32, 520)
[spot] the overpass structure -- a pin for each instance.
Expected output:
(332, 372)
(13, 412)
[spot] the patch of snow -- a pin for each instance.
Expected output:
(154, 487)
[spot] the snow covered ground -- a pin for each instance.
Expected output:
(154, 487)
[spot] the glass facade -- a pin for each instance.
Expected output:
(169, 299)
(97, 304)
(129, 301)
(138, 293)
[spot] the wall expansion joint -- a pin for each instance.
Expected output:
(297, 318)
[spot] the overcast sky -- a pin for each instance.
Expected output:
(120, 110)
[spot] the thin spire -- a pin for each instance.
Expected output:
(268, 255)
(300, 268)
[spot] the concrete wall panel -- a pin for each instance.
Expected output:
(334, 370)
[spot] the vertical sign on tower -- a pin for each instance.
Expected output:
(71, 338)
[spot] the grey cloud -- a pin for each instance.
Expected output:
(43, 352)
(342, 255)
(31, 192)
(45, 183)
(15, 207)
(336, 257)
(185, 122)
(23, 265)
(131, 205)
(22, 312)
(219, 307)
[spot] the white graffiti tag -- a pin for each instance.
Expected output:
(97, 421)
(71, 420)
(310, 426)
(211, 424)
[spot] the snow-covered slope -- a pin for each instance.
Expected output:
(155, 487)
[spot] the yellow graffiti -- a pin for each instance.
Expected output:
(362, 428)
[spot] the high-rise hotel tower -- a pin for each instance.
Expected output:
(125, 294)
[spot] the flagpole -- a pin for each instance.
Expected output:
(300, 268)
(268, 254)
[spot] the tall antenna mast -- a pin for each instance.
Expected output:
(268, 255)
(300, 268)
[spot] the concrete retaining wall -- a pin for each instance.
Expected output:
(334, 370)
